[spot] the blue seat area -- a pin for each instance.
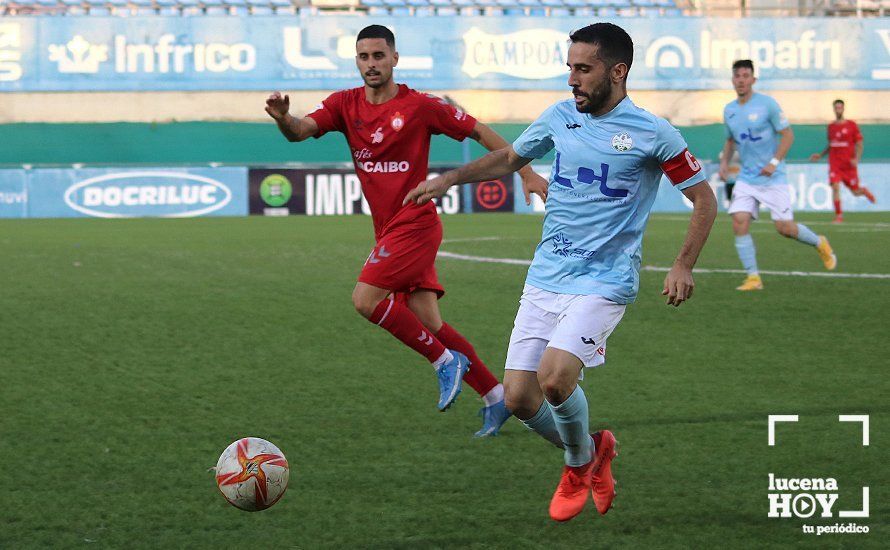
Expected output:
(260, 7)
(421, 8)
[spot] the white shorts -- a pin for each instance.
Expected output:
(748, 198)
(578, 324)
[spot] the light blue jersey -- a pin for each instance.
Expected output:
(602, 186)
(755, 128)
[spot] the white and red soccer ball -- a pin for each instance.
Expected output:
(252, 474)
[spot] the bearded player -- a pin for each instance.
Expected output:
(388, 128)
(610, 155)
(844, 151)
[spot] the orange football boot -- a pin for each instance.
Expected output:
(571, 493)
(603, 486)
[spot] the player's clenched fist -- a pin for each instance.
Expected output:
(277, 106)
(428, 190)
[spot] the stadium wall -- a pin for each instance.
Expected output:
(682, 107)
(261, 143)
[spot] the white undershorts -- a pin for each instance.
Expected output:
(748, 198)
(578, 324)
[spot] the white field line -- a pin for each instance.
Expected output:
(822, 274)
(670, 218)
(769, 230)
(483, 259)
(470, 239)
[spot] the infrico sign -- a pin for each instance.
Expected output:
(436, 53)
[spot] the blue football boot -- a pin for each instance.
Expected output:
(493, 418)
(451, 375)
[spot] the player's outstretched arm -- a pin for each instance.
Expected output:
(531, 181)
(678, 284)
(293, 129)
(816, 156)
(492, 166)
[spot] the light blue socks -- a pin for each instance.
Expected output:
(744, 245)
(806, 235)
(573, 426)
(542, 423)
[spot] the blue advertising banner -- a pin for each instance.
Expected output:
(13, 194)
(808, 183)
(124, 193)
(436, 53)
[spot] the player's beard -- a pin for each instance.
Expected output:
(595, 99)
(379, 83)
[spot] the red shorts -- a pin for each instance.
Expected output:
(403, 260)
(848, 175)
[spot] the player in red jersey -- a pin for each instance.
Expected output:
(844, 150)
(388, 128)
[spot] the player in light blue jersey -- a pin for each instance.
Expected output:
(756, 126)
(610, 156)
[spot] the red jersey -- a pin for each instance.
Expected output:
(842, 139)
(390, 146)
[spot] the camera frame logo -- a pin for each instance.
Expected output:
(276, 190)
(808, 497)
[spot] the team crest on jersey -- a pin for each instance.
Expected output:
(397, 121)
(622, 142)
(753, 117)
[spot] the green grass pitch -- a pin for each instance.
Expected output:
(135, 351)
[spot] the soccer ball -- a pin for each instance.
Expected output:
(252, 474)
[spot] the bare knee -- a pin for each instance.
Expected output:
(364, 303)
(521, 403)
(556, 387)
(740, 225)
(787, 229)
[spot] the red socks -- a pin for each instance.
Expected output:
(479, 377)
(401, 322)
(404, 325)
(837, 207)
